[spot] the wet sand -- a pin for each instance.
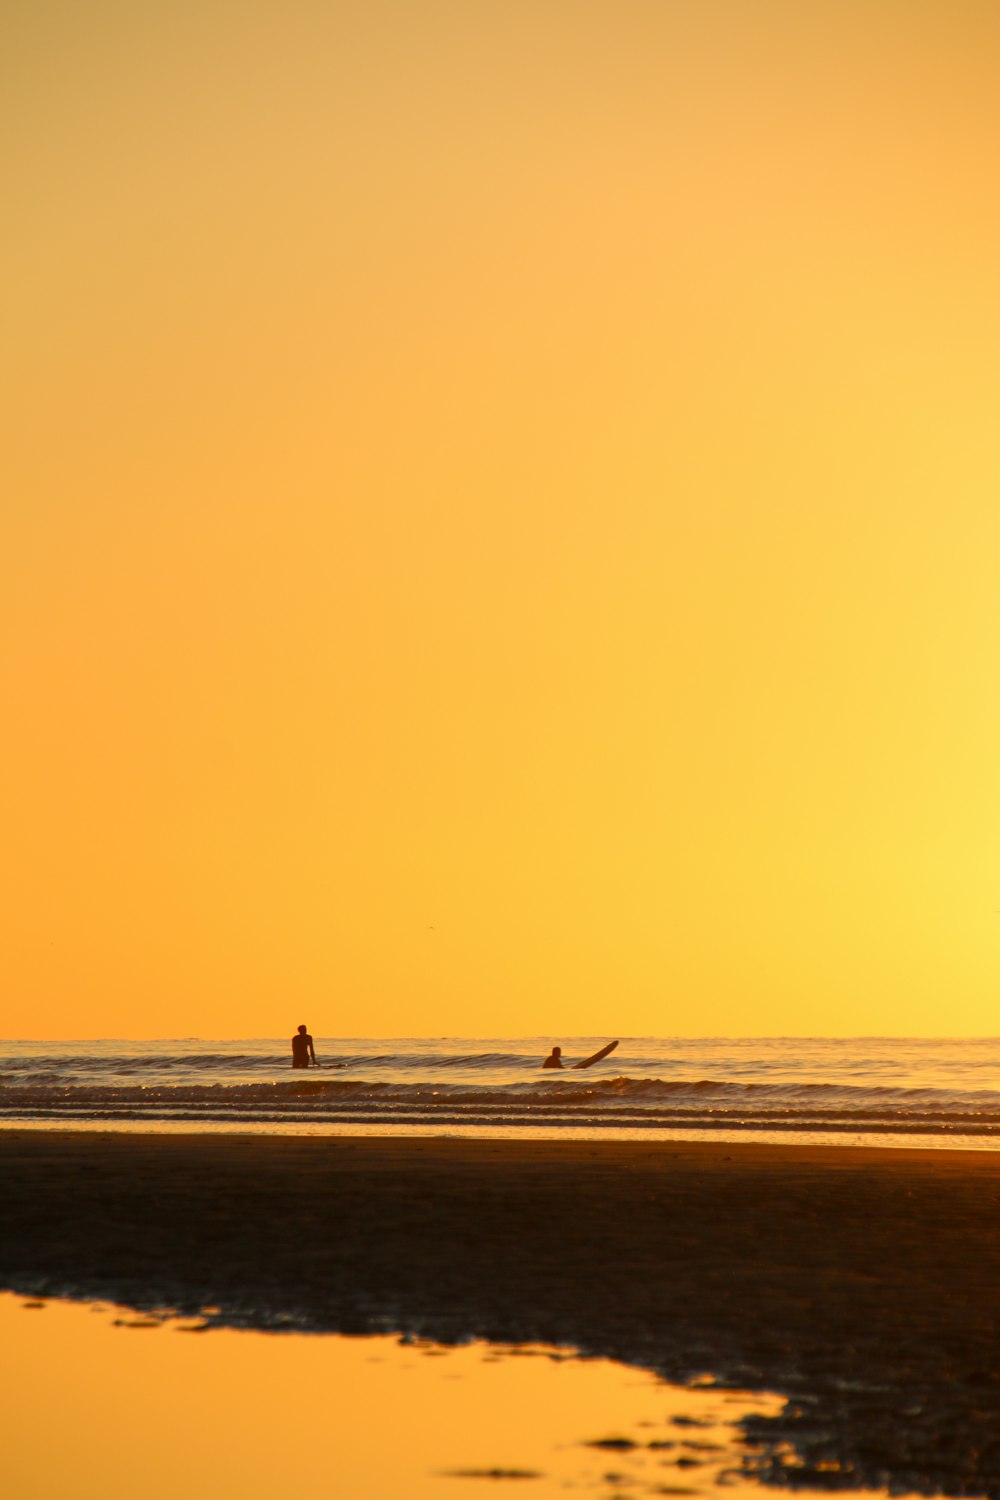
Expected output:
(863, 1284)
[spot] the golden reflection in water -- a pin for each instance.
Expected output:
(121, 1404)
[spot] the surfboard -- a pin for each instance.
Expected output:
(597, 1056)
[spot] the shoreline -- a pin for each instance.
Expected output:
(106, 1130)
(878, 1140)
(860, 1282)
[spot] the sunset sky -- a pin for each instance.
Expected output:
(501, 520)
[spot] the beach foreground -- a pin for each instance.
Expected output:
(862, 1284)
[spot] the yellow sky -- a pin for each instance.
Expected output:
(502, 517)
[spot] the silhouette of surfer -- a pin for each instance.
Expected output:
(303, 1049)
(554, 1059)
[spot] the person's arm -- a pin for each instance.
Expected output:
(312, 1053)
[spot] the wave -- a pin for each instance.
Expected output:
(550, 1102)
(561, 1086)
(75, 1064)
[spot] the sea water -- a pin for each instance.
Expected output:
(888, 1091)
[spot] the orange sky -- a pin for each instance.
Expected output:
(502, 523)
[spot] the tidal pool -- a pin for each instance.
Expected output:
(108, 1403)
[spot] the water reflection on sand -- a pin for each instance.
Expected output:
(124, 1403)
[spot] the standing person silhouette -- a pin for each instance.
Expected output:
(303, 1049)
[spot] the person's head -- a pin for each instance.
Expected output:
(302, 1031)
(557, 1052)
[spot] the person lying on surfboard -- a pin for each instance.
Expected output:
(554, 1059)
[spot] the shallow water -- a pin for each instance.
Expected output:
(107, 1404)
(876, 1091)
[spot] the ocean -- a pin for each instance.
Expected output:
(888, 1091)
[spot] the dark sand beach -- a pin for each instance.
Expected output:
(864, 1285)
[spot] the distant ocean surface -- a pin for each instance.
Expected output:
(888, 1092)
